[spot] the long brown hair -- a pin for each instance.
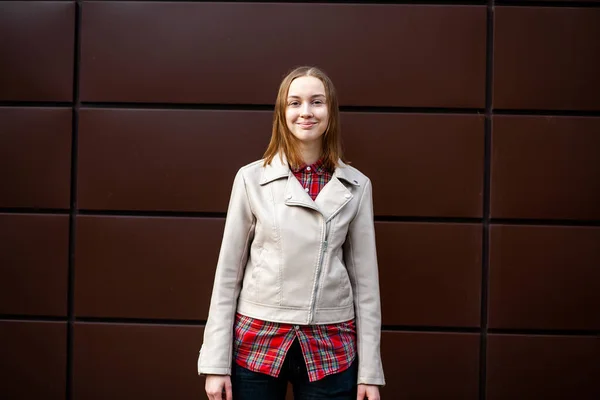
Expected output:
(285, 143)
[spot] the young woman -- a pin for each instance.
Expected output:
(296, 290)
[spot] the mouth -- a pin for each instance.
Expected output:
(306, 125)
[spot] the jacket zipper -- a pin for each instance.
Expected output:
(311, 314)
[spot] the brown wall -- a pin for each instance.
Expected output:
(122, 124)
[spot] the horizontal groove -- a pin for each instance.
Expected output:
(542, 3)
(388, 328)
(544, 222)
(378, 218)
(175, 106)
(547, 113)
(32, 318)
(516, 3)
(412, 110)
(546, 332)
(433, 329)
(447, 220)
(270, 107)
(536, 332)
(32, 210)
(374, 2)
(512, 3)
(493, 221)
(36, 104)
(168, 214)
(141, 321)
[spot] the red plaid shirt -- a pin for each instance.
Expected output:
(261, 346)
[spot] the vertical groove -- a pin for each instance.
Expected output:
(73, 203)
(485, 271)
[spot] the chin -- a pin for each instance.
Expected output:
(308, 138)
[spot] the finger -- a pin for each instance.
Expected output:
(360, 392)
(214, 394)
(373, 394)
(228, 392)
(208, 390)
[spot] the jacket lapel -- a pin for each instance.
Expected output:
(296, 196)
(332, 198)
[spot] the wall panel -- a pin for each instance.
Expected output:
(430, 273)
(542, 367)
(35, 157)
(37, 50)
(237, 53)
(430, 365)
(34, 251)
(34, 360)
(545, 167)
(544, 277)
(176, 160)
(142, 267)
(420, 164)
(132, 361)
(544, 58)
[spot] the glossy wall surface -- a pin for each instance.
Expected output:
(122, 124)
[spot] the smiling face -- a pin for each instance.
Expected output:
(306, 120)
(306, 112)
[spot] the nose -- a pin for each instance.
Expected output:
(305, 111)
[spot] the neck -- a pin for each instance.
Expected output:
(311, 152)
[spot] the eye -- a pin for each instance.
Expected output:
(318, 102)
(293, 103)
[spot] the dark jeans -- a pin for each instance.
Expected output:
(249, 385)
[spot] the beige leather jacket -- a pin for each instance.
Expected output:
(286, 258)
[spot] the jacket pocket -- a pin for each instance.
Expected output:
(337, 291)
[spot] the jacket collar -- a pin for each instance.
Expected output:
(343, 171)
(333, 197)
(279, 168)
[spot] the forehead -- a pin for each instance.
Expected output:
(306, 86)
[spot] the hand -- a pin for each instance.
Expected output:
(370, 392)
(216, 384)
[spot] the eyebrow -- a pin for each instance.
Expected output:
(312, 97)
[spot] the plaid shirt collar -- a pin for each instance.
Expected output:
(318, 167)
(279, 168)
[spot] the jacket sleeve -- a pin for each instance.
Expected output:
(216, 351)
(360, 255)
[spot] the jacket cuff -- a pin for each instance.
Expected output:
(213, 371)
(371, 380)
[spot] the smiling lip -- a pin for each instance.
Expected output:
(307, 124)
